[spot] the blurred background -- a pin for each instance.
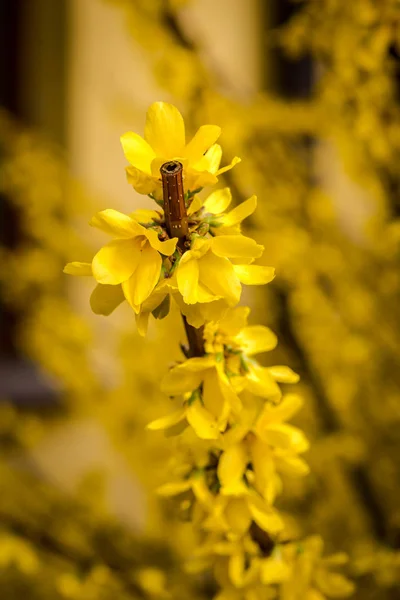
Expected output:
(307, 93)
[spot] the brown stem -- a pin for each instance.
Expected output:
(176, 222)
(262, 538)
(176, 218)
(195, 339)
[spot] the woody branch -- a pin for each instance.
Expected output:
(176, 222)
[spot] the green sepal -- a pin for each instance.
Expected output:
(195, 395)
(219, 357)
(244, 363)
(162, 309)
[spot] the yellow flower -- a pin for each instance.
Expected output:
(131, 261)
(164, 140)
(225, 515)
(240, 342)
(158, 303)
(153, 582)
(206, 411)
(232, 330)
(262, 381)
(205, 272)
(212, 211)
(311, 574)
(261, 438)
(245, 503)
(240, 566)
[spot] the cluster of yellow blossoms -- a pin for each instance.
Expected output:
(234, 442)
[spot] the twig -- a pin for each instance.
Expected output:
(176, 221)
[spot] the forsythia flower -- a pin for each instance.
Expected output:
(239, 343)
(311, 575)
(204, 282)
(263, 439)
(132, 260)
(164, 140)
(207, 412)
(205, 272)
(212, 211)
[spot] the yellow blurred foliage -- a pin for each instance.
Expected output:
(334, 306)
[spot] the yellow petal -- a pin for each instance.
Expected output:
(165, 130)
(116, 261)
(336, 560)
(283, 374)
(212, 311)
(202, 422)
(142, 323)
(234, 320)
(174, 488)
(137, 151)
(292, 465)
(200, 247)
(204, 295)
(157, 296)
(116, 224)
(141, 182)
(274, 571)
(213, 398)
(254, 274)
(265, 517)
(202, 493)
(177, 382)
(78, 268)
(143, 281)
(187, 276)
(187, 376)
(195, 205)
(167, 421)
(264, 469)
(218, 201)
(197, 364)
(105, 299)
(232, 466)
(204, 138)
(256, 338)
(236, 246)
(241, 212)
(236, 160)
(237, 515)
(234, 230)
(228, 391)
(145, 215)
(197, 179)
(260, 383)
(237, 569)
(284, 411)
(167, 247)
(191, 311)
(218, 275)
(285, 437)
(334, 585)
(212, 158)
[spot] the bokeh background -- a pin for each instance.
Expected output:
(307, 93)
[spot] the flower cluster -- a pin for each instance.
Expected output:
(234, 443)
(143, 265)
(231, 479)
